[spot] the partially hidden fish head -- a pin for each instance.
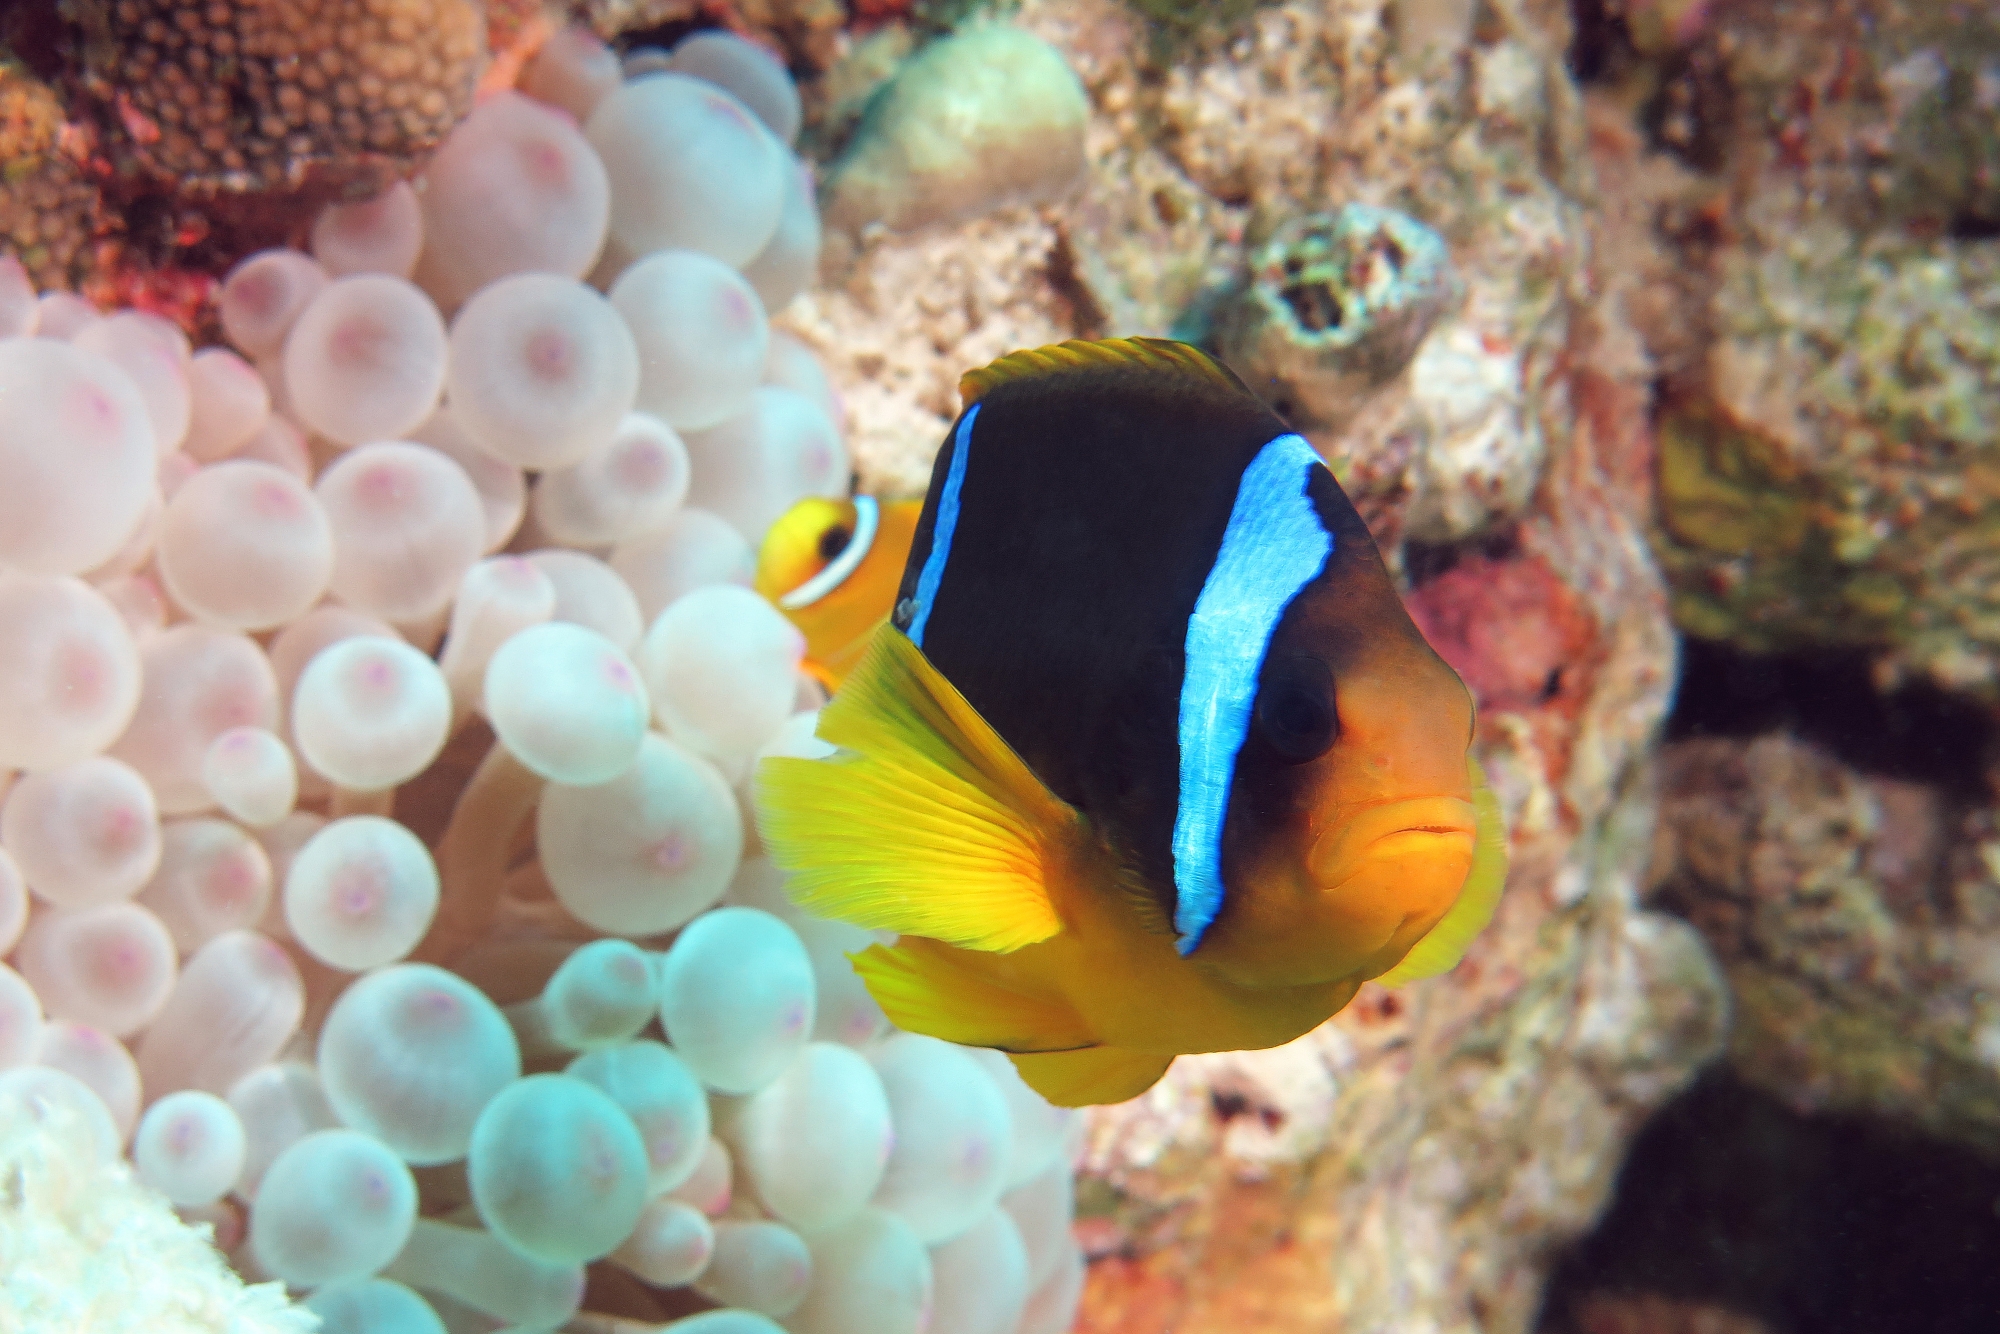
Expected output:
(1351, 827)
(832, 567)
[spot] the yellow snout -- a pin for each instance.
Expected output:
(1374, 883)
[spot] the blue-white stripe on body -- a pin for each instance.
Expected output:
(942, 530)
(1274, 545)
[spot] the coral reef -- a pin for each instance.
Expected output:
(48, 210)
(1413, 1163)
(1832, 487)
(1737, 1215)
(241, 98)
(1710, 346)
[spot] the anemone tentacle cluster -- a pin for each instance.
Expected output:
(378, 695)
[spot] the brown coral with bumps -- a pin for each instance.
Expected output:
(249, 96)
(46, 205)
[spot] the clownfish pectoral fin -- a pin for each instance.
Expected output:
(1090, 1076)
(1445, 944)
(925, 986)
(924, 822)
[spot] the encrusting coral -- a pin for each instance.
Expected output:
(987, 116)
(1336, 305)
(1825, 460)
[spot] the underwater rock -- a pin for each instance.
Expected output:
(1480, 446)
(1857, 919)
(987, 116)
(1336, 306)
(1266, 121)
(1940, 79)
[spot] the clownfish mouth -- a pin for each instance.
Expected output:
(1410, 832)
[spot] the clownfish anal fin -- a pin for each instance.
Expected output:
(924, 822)
(1091, 1075)
(924, 986)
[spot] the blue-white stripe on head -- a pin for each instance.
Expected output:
(942, 529)
(1274, 545)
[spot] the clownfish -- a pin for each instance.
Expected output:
(832, 567)
(1149, 757)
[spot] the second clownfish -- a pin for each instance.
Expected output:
(832, 566)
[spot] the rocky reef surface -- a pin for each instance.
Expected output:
(1412, 1163)
(1712, 357)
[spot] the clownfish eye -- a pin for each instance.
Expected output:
(834, 541)
(1295, 712)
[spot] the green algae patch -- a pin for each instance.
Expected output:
(1726, 491)
(1753, 545)
(1173, 25)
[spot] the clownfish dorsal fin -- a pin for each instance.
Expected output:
(924, 822)
(1078, 355)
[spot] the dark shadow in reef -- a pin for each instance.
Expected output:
(1916, 733)
(1600, 48)
(1814, 1225)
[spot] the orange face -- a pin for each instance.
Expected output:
(1351, 828)
(833, 566)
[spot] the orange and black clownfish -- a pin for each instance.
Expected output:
(1149, 759)
(832, 566)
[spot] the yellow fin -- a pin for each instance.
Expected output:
(925, 822)
(928, 987)
(1445, 944)
(1078, 355)
(1090, 1076)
